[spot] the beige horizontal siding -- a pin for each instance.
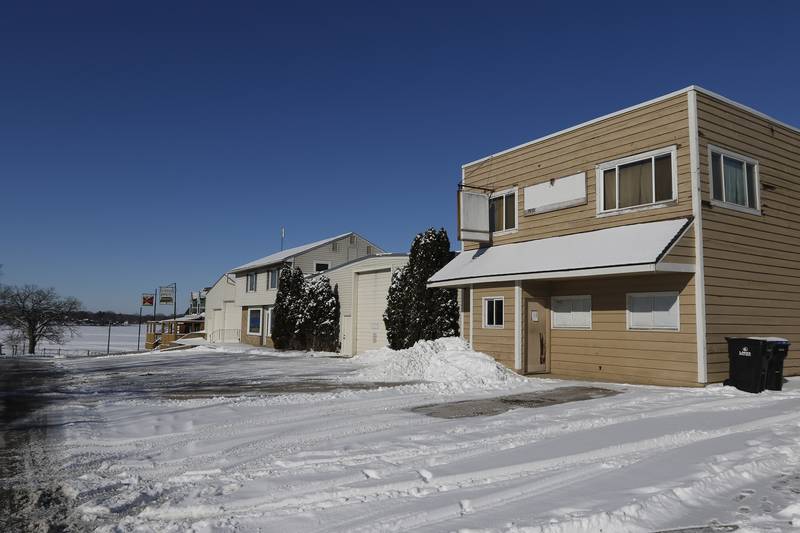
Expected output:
(611, 352)
(683, 251)
(751, 262)
(655, 126)
(497, 342)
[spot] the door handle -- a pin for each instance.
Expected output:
(542, 358)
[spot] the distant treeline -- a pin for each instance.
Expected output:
(102, 318)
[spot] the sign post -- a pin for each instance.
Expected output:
(148, 300)
(166, 296)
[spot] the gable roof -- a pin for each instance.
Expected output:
(280, 257)
(620, 249)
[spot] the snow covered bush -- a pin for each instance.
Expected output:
(414, 312)
(306, 313)
(320, 319)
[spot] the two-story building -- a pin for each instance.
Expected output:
(628, 247)
(255, 284)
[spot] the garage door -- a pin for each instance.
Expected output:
(372, 288)
(233, 321)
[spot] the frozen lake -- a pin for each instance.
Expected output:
(95, 338)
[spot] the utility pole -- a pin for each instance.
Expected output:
(108, 345)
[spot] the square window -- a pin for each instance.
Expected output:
(734, 180)
(493, 312)
(571, 312)
(656, 310)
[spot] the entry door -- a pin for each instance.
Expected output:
(537, 351)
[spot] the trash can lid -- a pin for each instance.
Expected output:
(770, 339)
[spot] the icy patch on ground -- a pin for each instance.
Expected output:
(448, 360)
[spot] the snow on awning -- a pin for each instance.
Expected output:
(620, 250)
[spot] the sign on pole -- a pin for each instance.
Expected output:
(148, 299)
(166, 295)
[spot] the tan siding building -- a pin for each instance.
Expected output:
(628, 247)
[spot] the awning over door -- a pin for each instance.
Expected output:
(620, 250)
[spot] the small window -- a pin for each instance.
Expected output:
(273, 278)
(254, 322)
(252, 280)
(369, 250)
(734, 180)
(637, 181)
(654, 310)
(493, 312)
(335, 246)
(321, 267)
(571, 312)
(352, 240)
(503, 211)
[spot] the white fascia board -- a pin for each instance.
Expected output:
(564, 274)
(675, 267)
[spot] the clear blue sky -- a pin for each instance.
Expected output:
(143, 143)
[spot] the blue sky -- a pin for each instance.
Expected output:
(145, 143)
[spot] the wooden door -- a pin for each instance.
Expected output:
(536, 339)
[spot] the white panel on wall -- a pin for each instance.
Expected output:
(557, 193)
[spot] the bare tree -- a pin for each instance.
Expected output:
(37, 314)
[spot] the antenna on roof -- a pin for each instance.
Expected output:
(283, 236)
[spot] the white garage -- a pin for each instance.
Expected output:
(363, 288)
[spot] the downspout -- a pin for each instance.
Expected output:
(697, 211)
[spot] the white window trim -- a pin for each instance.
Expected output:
(570, 297)
(497, 194)
(483, 311)
(260, 322)
(600, 182)
(269, 279)
(326, 263)
(746, 160)
(653, 293)
(269, 322)
(247, 282)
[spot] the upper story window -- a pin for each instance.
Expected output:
(273, 278)
(503, 211)
(352, 240)
(369, 250)
(252, 279)
(335, 246)
(734, 180)
(321, 266)
(637, 181)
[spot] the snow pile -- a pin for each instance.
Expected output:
(448, 360)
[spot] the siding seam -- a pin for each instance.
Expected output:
(699, 276)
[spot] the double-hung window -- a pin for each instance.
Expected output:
(254, 321)
(493, 312)
(571, 312)
(503, 211)
(734, 180)
(653, 310)
(637, 181)
(273, 278)
(252, 279)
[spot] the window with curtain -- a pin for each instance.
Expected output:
(503, 211)
(572, 312)
(635, 182)
(656, 310)
(734, 179)
(493, 312)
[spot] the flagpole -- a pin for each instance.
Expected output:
(139, 336)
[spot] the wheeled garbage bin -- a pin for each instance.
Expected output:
(748, 358)
(778, 349)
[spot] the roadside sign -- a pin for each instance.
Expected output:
(166, 295)
(148, 299)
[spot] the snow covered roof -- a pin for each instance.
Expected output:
(623, 249)
(280, 257)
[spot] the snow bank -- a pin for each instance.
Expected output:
(447, 360)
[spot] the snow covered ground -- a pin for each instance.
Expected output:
(235, 438)
(95, 338)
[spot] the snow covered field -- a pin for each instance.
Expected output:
(95, 338)
(314, 447)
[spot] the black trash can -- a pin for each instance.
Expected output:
(778, 349)
(748, 358)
